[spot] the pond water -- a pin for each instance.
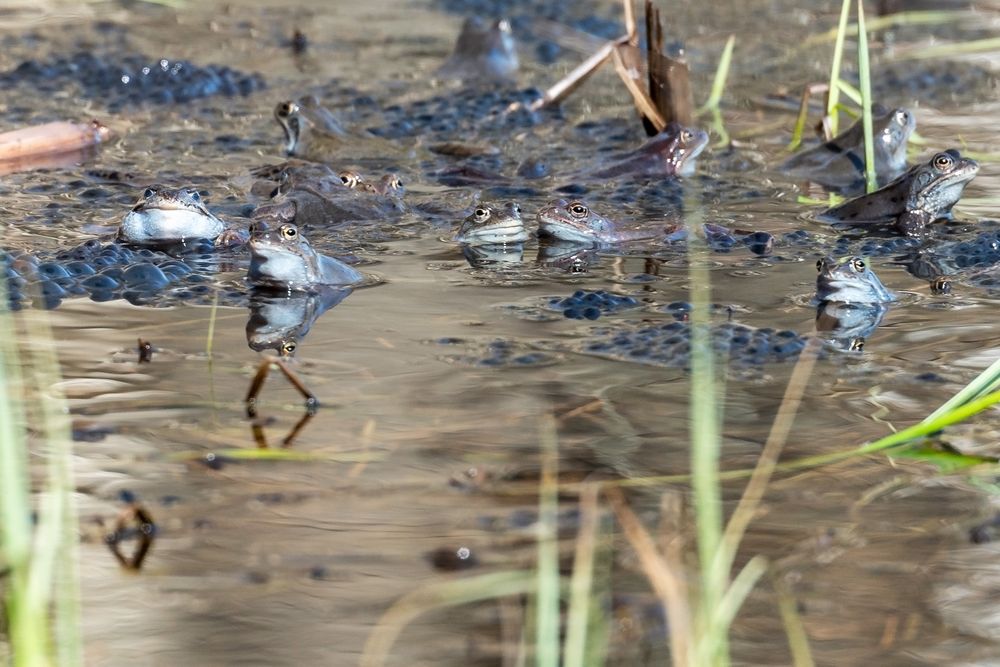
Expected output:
(444, 370)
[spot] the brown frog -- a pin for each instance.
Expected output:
(312, 194)
(313, 132)
(672, 152)
(925, 193)
(485, 52)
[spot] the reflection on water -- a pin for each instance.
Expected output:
(431, 386)
(279, 321)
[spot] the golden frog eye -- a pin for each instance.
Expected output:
(289, 232)
(858, 264)
(285, 109)
(687, 136)
(943, 161)
(349, 178)
(482, 214)
(395, 183)
(578, 210)
(288, 347)
(857, 345)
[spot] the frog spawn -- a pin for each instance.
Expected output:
(108, 271)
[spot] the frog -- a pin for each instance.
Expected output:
(493, 224)
(851, 301)
(839, 164)
(282, 259)
(314, 133)
(484, 53)
(925, 193)
(388, 184)
(849, 280)
(165, 215)
(575, 222)
(671, 152)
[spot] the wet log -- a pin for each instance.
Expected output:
(51, 138)
(669, 78)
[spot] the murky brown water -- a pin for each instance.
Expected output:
(294, 562)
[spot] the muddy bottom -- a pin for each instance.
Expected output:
(435, 379)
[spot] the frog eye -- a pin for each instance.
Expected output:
(288, 232)
(819, 265)
(350, 179)
(857, 345)
(395, 183)
(148, 192)
(902, 116)
(193, 194)
(578, 210)
(482, 214)
(943, 161)
(858, 264)
(288, 347)
(515, 208)
(687, 136)
(285, 109)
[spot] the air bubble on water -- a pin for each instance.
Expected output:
(126, 78)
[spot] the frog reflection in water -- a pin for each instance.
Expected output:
(925, 193)
(575, 222)
(279, 321)
(492, 224)
(281, 258)
(165, 215)
(839, 164)
(852, 301)
(483, 53)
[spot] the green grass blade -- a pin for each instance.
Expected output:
(210, 336)
(63, 579)
(795, 631)
(721, 75)
(920, 17)
(15, 510)
(581, 582)
(437, 596)
(27, 624)
(984, 383)
(737, 593)
(838, 57)
(955, 49)
(871, 178)
(704, 443)
(850, 91)
(547, 599)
